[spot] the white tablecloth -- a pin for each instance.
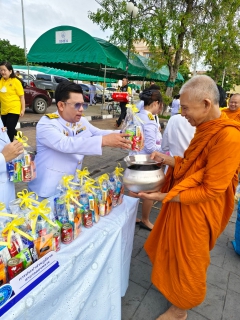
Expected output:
(93, 273)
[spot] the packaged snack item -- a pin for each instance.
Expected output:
(43, 245)
(3, 273)
(26, 258)
(14, 267)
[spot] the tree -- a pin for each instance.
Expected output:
(221, 48)
(11, 53)
(167, 26)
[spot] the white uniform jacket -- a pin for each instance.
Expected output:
(7, 188)
(61, 147)
(152, 135)
(177, 135)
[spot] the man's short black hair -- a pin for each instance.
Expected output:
(65, 88)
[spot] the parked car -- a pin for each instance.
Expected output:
(36, 99)
(28, 78)
(107, 93)
(44, 81)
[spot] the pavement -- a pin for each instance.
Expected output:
(142, 300)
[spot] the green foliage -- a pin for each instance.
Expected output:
(11, 53)
(161, 116)
(170, 27)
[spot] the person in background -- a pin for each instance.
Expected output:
(152, 141)
(8, 151)
(233, 110)
(11, 98)
(18, 75)
(198, 199)
(92, 93)
(175, 105)
(140, 104)
(177, 135)
(65, 137)
(123, 88)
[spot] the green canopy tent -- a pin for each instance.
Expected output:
(62, 73)
(69, 48)
(162, 73)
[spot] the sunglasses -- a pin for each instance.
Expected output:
(78, 105)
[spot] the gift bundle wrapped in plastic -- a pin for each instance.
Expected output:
(17, 249)
(23, 167)
(83, 200)
(67, 210)
(27, 234)
(132, 126)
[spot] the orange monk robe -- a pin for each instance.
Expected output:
(185, 231)
(234, 115)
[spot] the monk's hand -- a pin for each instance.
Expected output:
(156, 196)
(162, 158)
(117, 140)
(12, 150)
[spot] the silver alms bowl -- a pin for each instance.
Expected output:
(142, 176)
(141, 159)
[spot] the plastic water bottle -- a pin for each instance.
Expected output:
(111, 186)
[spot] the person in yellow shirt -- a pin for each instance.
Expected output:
(11, 98)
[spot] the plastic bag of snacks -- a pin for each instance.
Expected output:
(14, 255)
(132, 126)
(116, 178)
(89, 198)
(22, 168)
(103, 196)
(67, 212)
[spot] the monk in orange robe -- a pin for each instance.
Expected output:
(233, 111)
(198, 199)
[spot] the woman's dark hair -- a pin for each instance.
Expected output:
(64, 88)
(149, 96)
(9, 67)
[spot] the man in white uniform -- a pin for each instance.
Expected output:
(175, 105)
(64, 137)
(8, 151)
(177, 135)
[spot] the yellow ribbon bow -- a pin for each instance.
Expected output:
(89, 186)
(118, 170)
(66, 180)
(71, 195)
(82, 174)
(24, 195)
(21, 138)
(133, 107)
(12, 226)
(41, 210)
(134, 111)
(103, 177)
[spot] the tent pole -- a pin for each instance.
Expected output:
(104, 83)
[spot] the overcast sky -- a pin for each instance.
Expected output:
(42, 15)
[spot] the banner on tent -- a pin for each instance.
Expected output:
(64, 36)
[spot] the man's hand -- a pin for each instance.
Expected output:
(117, 140)
(12, 150)
(163, 158)
(156, 196)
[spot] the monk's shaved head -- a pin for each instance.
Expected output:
(200, 88)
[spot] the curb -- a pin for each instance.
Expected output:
(24, 124)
